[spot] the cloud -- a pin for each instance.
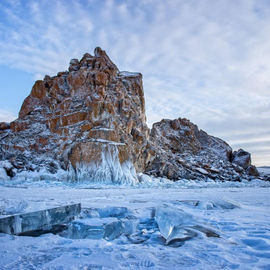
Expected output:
(6, 116)
(208, 61)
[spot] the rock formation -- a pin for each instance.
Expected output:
(181, 150)
(90, 122)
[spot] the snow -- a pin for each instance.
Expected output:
(201, 170)
(264, 170)
(102, 128)
(6, 164)
(207, 226)
(129, 74)
(8, 207)
(107, 141)
(3, 174)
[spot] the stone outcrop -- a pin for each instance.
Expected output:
(241, 158)
(90, 122)
(180, 150)
(252, 171)
(87, 117)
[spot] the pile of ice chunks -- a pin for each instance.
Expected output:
(166, 224)
(145, 229)
(108, 223)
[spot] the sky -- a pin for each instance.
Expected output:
(205, 60)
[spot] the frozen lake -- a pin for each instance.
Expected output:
(198, 226)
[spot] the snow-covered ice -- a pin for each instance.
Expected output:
(152, 225)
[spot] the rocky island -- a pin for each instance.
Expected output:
(89, 123)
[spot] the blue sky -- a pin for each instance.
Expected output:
(206, 60)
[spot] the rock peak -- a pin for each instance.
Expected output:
(89, 116)
(99, 52)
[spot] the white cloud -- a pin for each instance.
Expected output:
(6, 116)
(208, 61)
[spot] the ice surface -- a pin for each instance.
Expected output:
(217, 204)
(226, 237)
(264, 170)
(210, 205)
(8, 207)
(119, 212)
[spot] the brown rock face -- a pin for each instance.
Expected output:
(91, 114)
(90, 122)
(4, 126)
(252, 171)
(178, 149)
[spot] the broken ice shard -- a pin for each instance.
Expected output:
(117, 228)
(113, 230)
(39, 220)
(167, 218)
(179, 235)
(175, 225)
(97, 228)
(91, 228)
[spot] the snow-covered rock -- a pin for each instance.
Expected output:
(90, 123)
(3, 174)
(241, 158)
(178, 149)
(90, 119)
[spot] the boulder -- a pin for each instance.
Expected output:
(252, 171)
(241, 158)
